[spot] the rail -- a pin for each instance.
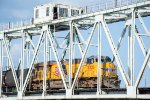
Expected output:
(103, 5)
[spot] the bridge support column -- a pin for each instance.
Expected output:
(1, 63)
(45, 30)
(98, 19)
(22, 63)
(20, 95)
(131, 92)
(8, 52)
(68, 93)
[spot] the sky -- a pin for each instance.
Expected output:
(13, 10)
(17, 10)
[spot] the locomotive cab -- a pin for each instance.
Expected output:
(92, 59)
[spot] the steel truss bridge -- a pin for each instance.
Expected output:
(98, 19)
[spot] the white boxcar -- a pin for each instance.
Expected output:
(48, 12)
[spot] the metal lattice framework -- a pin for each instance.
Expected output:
(97, 20)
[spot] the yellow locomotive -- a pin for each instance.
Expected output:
(87, 77)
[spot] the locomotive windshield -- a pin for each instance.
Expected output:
(105, 59)
(93, 59)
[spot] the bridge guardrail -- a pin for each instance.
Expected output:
(110, 4)
(104, 5)
(12, 25)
